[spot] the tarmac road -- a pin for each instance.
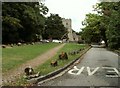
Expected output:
(99, 67)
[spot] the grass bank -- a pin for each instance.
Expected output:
(47, 68)
(14, 57)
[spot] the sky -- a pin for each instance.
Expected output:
(71, 9)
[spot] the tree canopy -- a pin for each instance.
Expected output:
(91, 33)
(54, 27)
(104, 25)
(26, 22)
(22, 21)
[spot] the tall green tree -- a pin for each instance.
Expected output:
(110, 12)
(22, 21)
(54, 27)
(105, 25)
(10, 24)
(91, 32)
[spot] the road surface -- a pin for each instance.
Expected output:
(99, 67)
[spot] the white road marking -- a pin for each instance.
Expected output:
(93, 72)
(113, 71)
(79, 71)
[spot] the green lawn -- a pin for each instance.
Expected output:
(46, 67)
(14, 57)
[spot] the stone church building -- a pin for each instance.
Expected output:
(72, 37)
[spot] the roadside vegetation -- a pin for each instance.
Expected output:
(47, 68)
(104, 25)
(17, 55)
(26, 22)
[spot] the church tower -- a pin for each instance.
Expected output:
(68, 24)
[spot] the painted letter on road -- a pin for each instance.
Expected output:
(112, 71)
(73, 71)
(93, 72)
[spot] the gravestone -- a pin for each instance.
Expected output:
(63, 56)
(54, 63)
(29, 71)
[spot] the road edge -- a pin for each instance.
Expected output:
(58, 72)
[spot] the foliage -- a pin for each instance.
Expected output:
(91, 33)
(105, 25)
(54, 27)
(22, 21)
(111, 14)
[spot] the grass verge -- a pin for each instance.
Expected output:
(47, 68)
(14, 57)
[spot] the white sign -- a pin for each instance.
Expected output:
(91, 71)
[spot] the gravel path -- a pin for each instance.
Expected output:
(12, 75)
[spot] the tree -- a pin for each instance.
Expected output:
(110, 12)
(104, 25)
(91, 32)
(22, 21)
(10, 24)
(54, 27)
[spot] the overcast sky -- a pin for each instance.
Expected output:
(73, 9)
